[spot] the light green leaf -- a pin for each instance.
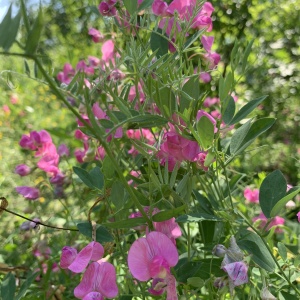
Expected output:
(131, 6)
(168, 214)
(197, 217)
(205, 130)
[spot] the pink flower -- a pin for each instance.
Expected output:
(22, 170)
(27, 192)
(212, 58)
(99, 281)
(275, 222)
(203, 18)
(78, 262)
(208, 102)
(205, 77)
(251, 195)
(298, 216)
(200, 160)
(152, 257)
(159, 8)
(96, 35)
(108, 51)
(67, 74)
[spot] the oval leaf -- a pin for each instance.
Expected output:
(272, 189)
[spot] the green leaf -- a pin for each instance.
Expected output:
(159, 43)
(247, 109)
(93, 180)
(205, 130)
(117, 194)
(191, 89)
(282, 202)
(8, 287)
(146, 121)
(229, 111)
(8, 29)
(108, 168)
(282, 250)
(97, 178)
(128, 223)
(26, 284)
(246, 54)
(168, 214)
(244, 136)
(195, 282)
(272, 189)
(145, 4)
(196, 217)
(253, 244)
(35, 34)
(102, 234)
(238, 137)
(131, 6)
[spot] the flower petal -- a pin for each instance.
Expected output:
(68, 255)
(82, 259)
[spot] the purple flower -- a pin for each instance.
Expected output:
(298, 215)
(63, 150)
(96, 35)
(27, 192)
(237, 272)
(22, 170)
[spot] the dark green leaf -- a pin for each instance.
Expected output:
(108, 168)
(97, 178)
(146, 121)
(246, 54)
(102, 234)
(247, 109)
(128, 223)
(238, 137)
(26, 284)
(35, 34)
(168, 214)
(229, 111)
(253, 244)
(8, 287)
(282, 250)
(159, 43)
(272, 189)
(283, 201)
(196, 217)
(117, 194)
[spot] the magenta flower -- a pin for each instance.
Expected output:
(67, 74)
(22, 170)
(78, 262)
(212, 58)
(251, 195)
(152, 257)
(27, 192)
(99, 281)
(159, 8)
(298, 216)
(107, 8)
